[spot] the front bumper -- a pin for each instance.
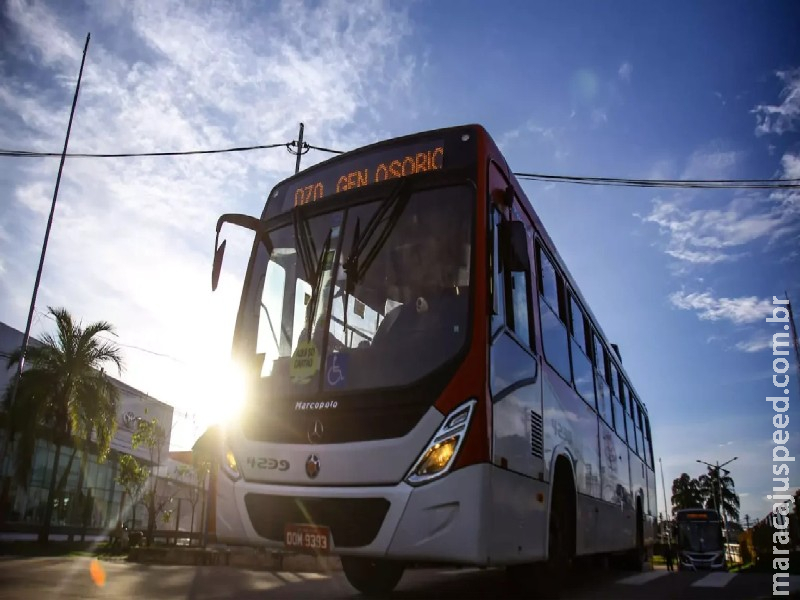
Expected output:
(702, 561)
(439, 521)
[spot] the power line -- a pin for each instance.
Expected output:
(299, 148)
(30, 154)
(323, 149)
(769, 184)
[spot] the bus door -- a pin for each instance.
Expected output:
(515, 386)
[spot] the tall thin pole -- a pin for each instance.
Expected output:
(299, 149)
(26, 336)
(722, 510)
(667, 512)
(795, 341)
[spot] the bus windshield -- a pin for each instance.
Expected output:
(700, 536)
(373, 295)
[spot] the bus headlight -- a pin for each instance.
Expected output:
(230, 467)
(439, 454)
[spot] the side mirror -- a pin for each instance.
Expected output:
(248, 222)
(219, 252)
(513, 241)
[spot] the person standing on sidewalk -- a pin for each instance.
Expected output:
(669, 557)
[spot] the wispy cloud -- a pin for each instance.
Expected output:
(713, 162)
(791, 165)
(747, 309)
(709, 236)
(625, 71)
(755, 345)
(531, 132)
(130, 241)
(599, 117)
(783, 117)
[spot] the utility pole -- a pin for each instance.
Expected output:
(667, 511)
(27, 334)
(795, 341)
(299, 152)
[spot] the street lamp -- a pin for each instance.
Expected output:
(717, 468)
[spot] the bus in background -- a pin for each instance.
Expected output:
(426, 383)
(698, 535)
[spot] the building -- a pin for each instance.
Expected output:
(94, 502)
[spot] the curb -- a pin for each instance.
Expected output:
(248, 558)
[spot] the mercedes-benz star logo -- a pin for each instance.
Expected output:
(315, 432)
(312, 466)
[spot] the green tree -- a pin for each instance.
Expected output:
(712, 485)
(746, 547)
(201, 468)
(686, 493)
(762, 541)
(151, 435)
(63, 391)
(132, 477)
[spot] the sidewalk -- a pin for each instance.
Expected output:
(249, 558)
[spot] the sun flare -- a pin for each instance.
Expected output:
(221, 394)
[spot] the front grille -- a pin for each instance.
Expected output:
(353, 521)
(339, 426)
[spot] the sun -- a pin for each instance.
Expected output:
(221, 393)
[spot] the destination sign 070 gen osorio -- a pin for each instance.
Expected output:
(363, 170)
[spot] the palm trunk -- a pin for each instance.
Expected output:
(8, 445)
(62, 482)
(78, 509)
(44, 532)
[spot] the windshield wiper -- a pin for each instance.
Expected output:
(316, 291)
(396, 203)
(305, 242)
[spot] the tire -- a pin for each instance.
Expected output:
(561, 541)
(372, 577)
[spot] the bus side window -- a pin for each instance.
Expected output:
(554, 330)
(518, 288)
(625, 398)
(619, 407)
(498, 277)
(649, 437)
(603, 393)
(581, 364)
(640, 433)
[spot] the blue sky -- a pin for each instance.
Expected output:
(680, 279)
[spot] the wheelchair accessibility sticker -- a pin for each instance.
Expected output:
(336, 370)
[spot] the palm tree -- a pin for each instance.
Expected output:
(711, 485)
(65, 390)
(686, 493)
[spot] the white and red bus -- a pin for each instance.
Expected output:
(426, 383)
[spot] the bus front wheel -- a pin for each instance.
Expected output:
(372, 577)
(561, 537)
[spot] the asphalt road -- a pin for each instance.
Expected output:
(57, 578)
